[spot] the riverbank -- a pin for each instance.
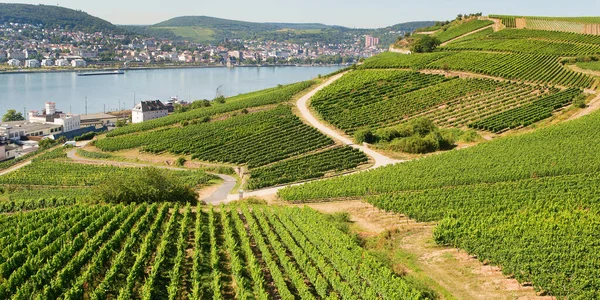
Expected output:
(157, 67)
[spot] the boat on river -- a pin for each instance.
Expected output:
(111, 72)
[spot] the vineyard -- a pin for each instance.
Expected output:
(260, 98)
(527, 114)
(531, 41)
(308, 167)
(51, 173)
(526, 203)
(381, 98)
(563, 149)
(534, 68)
(166, 252)
(457, 30)
(255, 139)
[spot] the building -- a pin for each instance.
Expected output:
(87, 53)
(14, 62)
(30, 54)
(16, 54)
(62, 62)
(7, 151)
(148, 110)
(99, 119)
(78, 63)
(371, 41)
(47, 62)
(32, 63)
(66, 122)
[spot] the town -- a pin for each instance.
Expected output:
(34, 47)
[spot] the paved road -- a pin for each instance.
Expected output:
(221, 195)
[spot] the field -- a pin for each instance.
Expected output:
(255, 139)
(534, 68)
(592, 65)
(511, 202)
(170, 252)
(531, 41)
(457, 30)
(381, 98)
(192, 33)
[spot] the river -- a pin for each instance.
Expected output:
(112, 92)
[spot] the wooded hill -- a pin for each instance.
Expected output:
(54, 17)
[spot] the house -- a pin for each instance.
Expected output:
(87, 53)
(32, 63)
(29, 53)
(47, 62)
(148, 110)
(14, 62)
(78, 63)
(62, 62)
(16, 54)
(7, 151)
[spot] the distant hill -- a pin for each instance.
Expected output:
(410, 26)
(209, 29)
(53, 17)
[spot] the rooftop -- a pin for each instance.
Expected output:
(151, 105)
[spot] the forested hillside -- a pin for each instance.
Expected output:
(50, 16)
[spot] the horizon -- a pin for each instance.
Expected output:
(352, 14)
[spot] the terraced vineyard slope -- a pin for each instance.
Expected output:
(528, 198)
(381, 98)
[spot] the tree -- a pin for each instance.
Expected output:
(12, 115)
(425, 44)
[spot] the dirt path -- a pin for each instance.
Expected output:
(467, 34)
(306, 114)
(452, 273)
(15, 167)
(592, 107)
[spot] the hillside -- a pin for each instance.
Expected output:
(507, 183)
(54, 17)
(209, 29)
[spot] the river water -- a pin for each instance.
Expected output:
(112, 92)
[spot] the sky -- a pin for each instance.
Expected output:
(349, 13)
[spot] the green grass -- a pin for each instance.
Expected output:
(192, 33)
(592, 65)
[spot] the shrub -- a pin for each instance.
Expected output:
(180, 161)
(149, 186)
(364, 136)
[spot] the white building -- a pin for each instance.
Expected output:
(14, 63)
(148, 110)
(32, 63)
(68, 122)
(78, 63)
(62, 62)
(47, 62)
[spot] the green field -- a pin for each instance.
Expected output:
(171, 252)
(192, 33)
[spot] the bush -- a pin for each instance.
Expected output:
(180, 161)
(219, 99)
(364, 136)
(416, 144)
(148, 186)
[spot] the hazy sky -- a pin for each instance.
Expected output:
(351, 13)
